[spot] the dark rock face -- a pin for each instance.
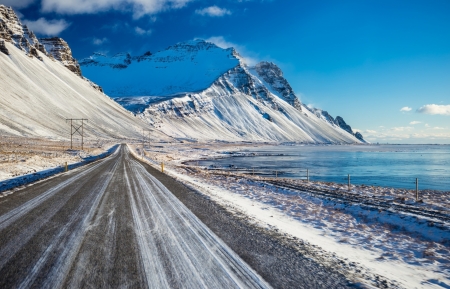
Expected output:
(342, 124)
(3, 47)
(18, 34)
(239, 79)
(359, 136)
(273, 76)
(13, 31)
(61, 51)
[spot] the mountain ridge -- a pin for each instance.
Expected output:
(167, 100)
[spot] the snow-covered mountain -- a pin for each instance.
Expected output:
(41, 86)
(197, 90)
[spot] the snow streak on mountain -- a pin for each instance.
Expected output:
(41, 86)
(197, 90)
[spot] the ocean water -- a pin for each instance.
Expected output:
(395, 166)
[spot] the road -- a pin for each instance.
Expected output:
(111, 224)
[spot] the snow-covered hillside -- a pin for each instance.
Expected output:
(239, 106)
(40, 88)
(198, 90)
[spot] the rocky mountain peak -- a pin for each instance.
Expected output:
(60, 50)
(273, 76)
(13, 31)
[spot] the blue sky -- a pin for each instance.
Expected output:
(384, 66)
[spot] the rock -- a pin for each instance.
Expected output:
(359, 136)
(3, 47)
(94, 85)
(61, 51)
(273, 75)
(13, 31)
(339, 121)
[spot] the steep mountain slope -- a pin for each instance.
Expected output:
(198, 90)
(238, 106)
(38, 92)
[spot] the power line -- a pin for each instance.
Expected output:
(74, 128)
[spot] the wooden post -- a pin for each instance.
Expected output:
(71, 134)
(162, 167)
(417, 189)
(349, 182)
(82, 132)
(66, 168)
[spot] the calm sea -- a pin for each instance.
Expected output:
(381, 165)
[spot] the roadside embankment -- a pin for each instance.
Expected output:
(33, 177)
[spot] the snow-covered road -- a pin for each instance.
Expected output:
(111, 224)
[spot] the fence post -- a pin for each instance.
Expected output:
(162, 167)
(66, 168)
(349, 182)
(417, 189)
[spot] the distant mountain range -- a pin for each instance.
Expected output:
(197, 90)
(193, 90)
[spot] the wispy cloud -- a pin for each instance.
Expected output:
(406, 108)
(435, 109)
(402, 128)
(99, 41)
(248, 57)
(415, 122)
(141, 31)
(139, 8)
(47, 27)
(213, 11)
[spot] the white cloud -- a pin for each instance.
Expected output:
(47, 27)
(415, 122)
(406, 108)
(138, 7)
(99, 41)
(141, 31)
(370, 131)
(246, 56)
(213, 11)
(435, 109)
(402, 128)
(17, 3)
(438, 128)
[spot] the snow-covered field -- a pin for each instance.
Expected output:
(375, 246)
(385, 247)
(20, 156)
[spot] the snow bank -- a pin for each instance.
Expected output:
(30, 178)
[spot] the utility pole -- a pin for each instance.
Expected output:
(75, 128)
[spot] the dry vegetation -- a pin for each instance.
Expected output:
(21, 155)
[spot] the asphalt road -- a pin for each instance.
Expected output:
(111, 224)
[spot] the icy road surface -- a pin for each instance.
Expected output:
(111, 224)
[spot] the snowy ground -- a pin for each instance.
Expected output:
(20, 156)
(377, 247)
